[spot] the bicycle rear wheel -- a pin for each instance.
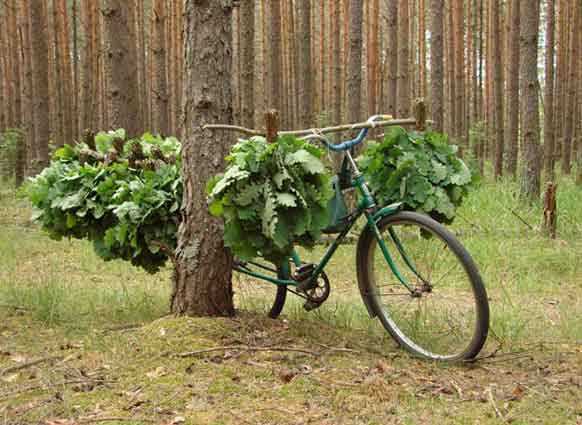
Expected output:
(446, 315)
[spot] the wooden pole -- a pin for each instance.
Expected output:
(271, 125)
(550, 213)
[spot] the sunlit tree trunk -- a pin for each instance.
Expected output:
(549, 158)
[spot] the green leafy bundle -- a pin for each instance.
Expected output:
(124, 195)
(271, 196)
(421, 170)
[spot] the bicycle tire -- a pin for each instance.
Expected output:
(393, 308)
(280, 295)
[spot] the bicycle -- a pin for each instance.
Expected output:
(395, 274)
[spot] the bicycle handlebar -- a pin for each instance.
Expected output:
(373, 121)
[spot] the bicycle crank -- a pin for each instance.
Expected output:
(315, 289)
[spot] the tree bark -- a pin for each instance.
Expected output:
(274, 34)
(392, 57)
(354, 64)
(459, 52)
(121, 66)
(498, 87)
(549, 148)
(40, 67)
(513, 90)
(305, 86)
(247, 11)
(202, 284)
(571, 91)
(337, 66)
(160, 95)
(403, 89)
(437, 63)
(530, 184)
(65, 69)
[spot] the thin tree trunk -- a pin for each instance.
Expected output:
(40, 67)
(549, 159)
(375, 69)
(403, 89)
(422, 48)
(66, 77)
(459, 52)
(247, 11)
(274, 34)
(498, 88)
(513, 56)
(337, 66)
(450, 70)
(159, 51)
(27, 86)
(570, 94)
(305, 86)
(437, 63)
(530, 185)
(392, 57)
(354, 64)
(88, 60)
(202, 281)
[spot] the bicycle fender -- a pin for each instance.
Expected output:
(364, 290)
(386, 211)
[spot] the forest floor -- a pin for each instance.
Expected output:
(83, 341)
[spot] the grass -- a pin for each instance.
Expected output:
(108, 324)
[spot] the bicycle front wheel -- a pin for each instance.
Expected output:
(444, 314)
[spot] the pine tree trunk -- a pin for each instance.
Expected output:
(451, 110)
(422, 48)
(513, 56)
(549, 148)
(403, 89)
(373, 14)
(354, 65)
(437, 63)
(27, 83)
(88, 66)
(561, 76)
(579, 107)
(65, 69)
(498, 87)
(305, 86)
(159, 51)
(121, 66)
(274, 34)
(202, 283)
(570, 93)
(337, 65)
(247, 11)
(40, 66)
(459, 35)
(392, 58)
(530, 185)
(141, 63)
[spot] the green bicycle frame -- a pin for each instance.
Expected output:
(366, 206)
